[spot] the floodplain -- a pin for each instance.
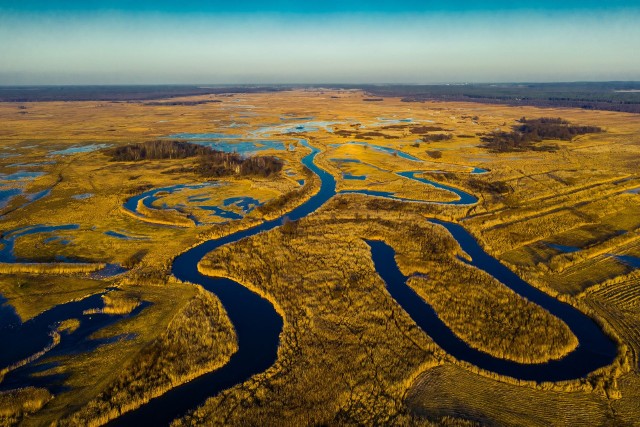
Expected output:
(130, 273)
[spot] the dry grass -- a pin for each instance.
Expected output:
(87, 374)
(49, 268)
(16, 404)
(198, 339)
(69, 325)
(31, 294)
(348, 352)
(452, 391)
(329, 317)
(117, 302)
(491, 317)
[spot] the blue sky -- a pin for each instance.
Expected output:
(306, 7)
(120, 42)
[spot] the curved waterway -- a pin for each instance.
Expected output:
(256, 322)
(258, 325)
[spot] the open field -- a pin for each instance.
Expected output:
(449, 390)
(565, 220)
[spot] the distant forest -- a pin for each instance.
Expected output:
(121, 93)
(531, 131)
(613, 96)
(211, 163)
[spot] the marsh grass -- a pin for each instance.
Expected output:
(348, 353)
(286, 266)
(49, 268)
(31, 294)
(117, 302)
(198, 339)
(15, 404)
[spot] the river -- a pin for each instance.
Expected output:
(258, 325)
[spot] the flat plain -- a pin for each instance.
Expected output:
(563, 214)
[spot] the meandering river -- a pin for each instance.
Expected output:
(258, 325)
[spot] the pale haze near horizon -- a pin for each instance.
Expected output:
(126, 48)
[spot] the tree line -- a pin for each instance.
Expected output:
(528, 132)
(211, 163)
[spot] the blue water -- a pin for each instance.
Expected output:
(633, 191)
(595, 349)
(8, 315)
(244, 147)
(204, 136)
(563, 248)
(123, 236)
(383, 149)
(82, 196)
(284, 118)
(311, 126)
(393, 121)
(256, 322)
(230, 143)
(109, 270)
(21, 340)
(7, 194)
(222, 213)
(8, 238)
(117, 235)
(464, 197)
(478, 171)
(346, 175)
(258, 326)
(31, 198)
(629, 260)
(78, 149)
(21, 176)
(150, 196)
(30, 165)
(34, 197)
(346, 160)
(57, 239)
(246, 203)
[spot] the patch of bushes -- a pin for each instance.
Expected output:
(526, 135)
(437, 137)
(156, 150)
(211, 163)
(424, 129)
(495, 187)
(364, 135)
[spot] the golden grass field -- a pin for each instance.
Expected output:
(348, 353)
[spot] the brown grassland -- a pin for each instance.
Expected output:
(348, 353)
